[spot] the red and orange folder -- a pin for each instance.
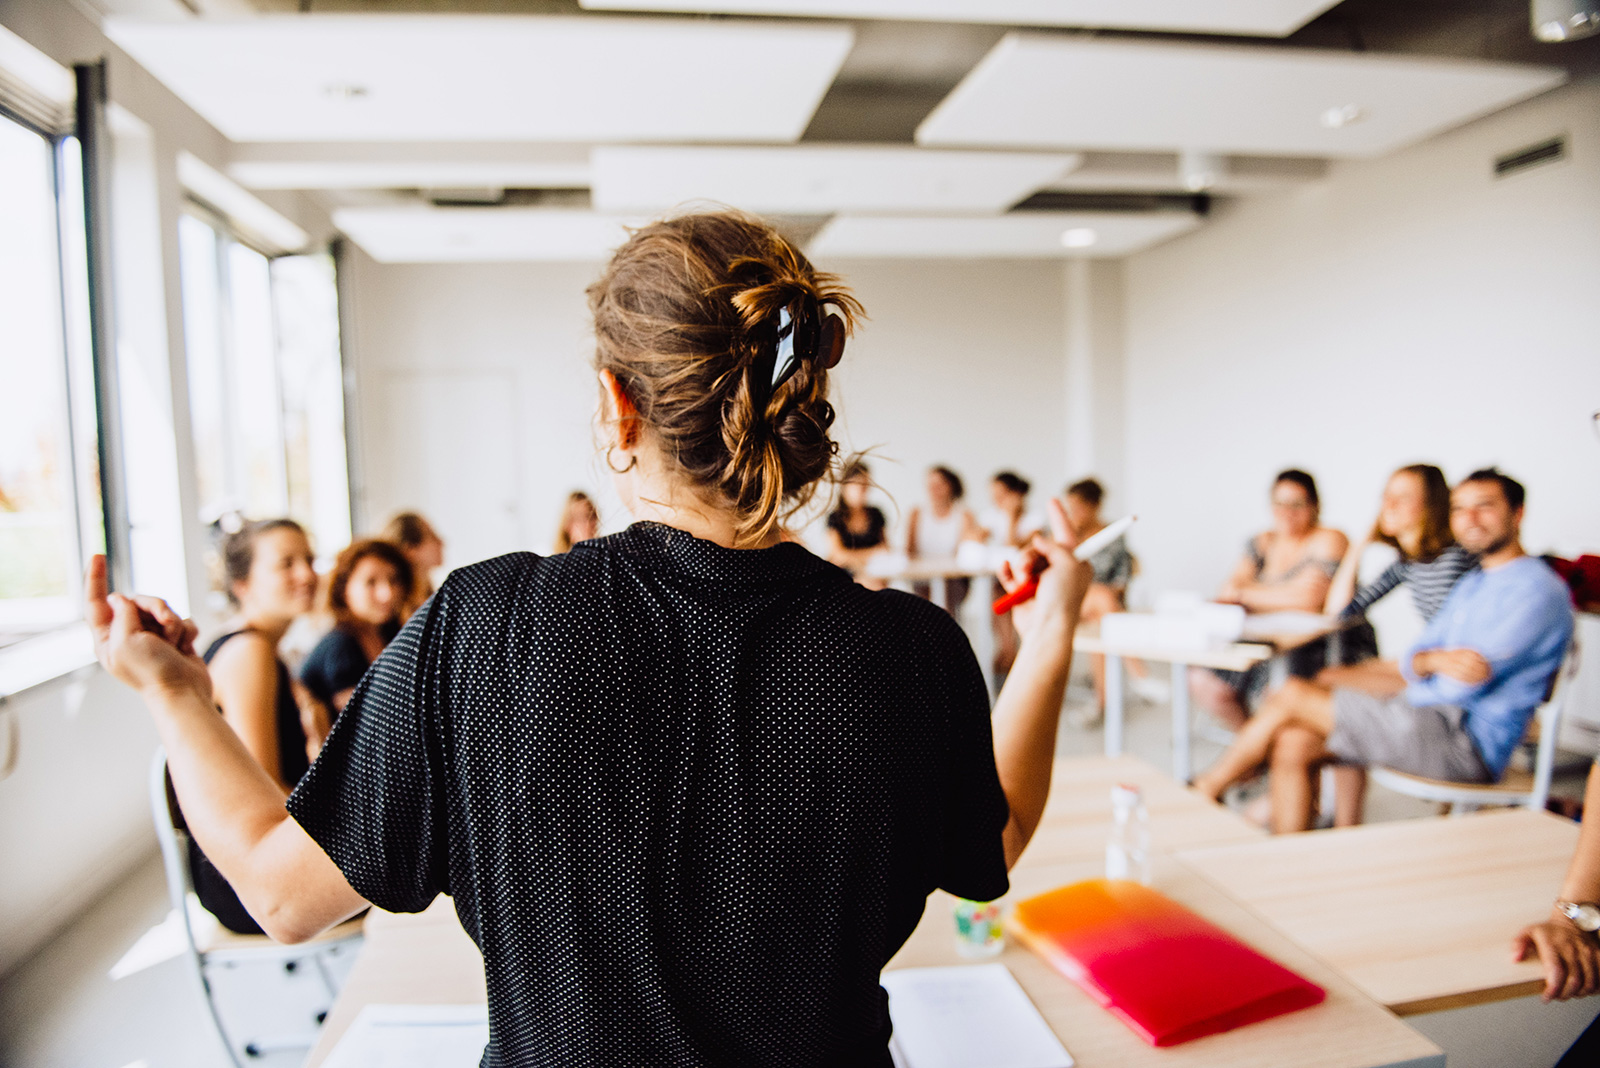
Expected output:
(1169, 974)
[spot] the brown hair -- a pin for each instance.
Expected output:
(564, 540)
(1436, 536)
(683, 315)
(239, 551)
(408, 530)
(334, 595)
(1088, 490)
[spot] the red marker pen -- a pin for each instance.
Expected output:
(1024, 593)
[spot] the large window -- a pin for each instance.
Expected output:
(49, 494)
(266, 387)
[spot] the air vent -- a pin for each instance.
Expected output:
(1544, 152)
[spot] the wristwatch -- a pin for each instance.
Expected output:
(1584, 916)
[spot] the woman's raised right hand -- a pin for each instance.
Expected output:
(141, 641)
(1063, 578)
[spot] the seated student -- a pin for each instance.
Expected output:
(580, 521)
(1008, 524)
(1473, 680)
(267, 575)
(856, 529)
(1113, 570)
(1415, 521)
(936, 533)
(422, 546)
(367, 593)
(1288, 568)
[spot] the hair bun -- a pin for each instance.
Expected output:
(687, 316)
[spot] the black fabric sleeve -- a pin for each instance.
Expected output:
(375, 798)
(336, 663)
(973, 861)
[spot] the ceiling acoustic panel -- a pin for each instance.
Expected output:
(1270, 18)
(399, 78)
(483, 235)
(1020, 235)
(822, 179)
(1037, 91)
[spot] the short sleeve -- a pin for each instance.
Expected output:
(374, 799)
(973, 858)
(337, 663)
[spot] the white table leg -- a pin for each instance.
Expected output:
(1113, 705)
(979, 611)
(1182, 751)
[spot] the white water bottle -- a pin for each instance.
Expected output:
(1128, 848)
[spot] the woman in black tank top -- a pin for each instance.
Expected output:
(270, 579)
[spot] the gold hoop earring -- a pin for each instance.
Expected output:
(632, 462)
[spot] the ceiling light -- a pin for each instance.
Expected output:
(1079, 237)
(1564, 20)
(1200, 171)
(1340, 117)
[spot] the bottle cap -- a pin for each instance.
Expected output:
(1124, 795)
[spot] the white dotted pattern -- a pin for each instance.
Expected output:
(688, 800)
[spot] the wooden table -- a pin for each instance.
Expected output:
(427, 958)
(1077, 818)
(1346, 1031)
(1420, 914)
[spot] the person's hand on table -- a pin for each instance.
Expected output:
(1063, 579)
(1571, 958)
(1464, 665)
(140, 640)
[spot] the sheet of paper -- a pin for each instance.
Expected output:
(968, 1016)
(414, 1036)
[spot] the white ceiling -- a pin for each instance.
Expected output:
(821, 179)
(1040, 91)
(1015, 236)
(487, 235)
(1273, 18)
(492, 78)
(320, 165)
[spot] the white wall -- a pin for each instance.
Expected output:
(960, 363)
(1404, 309)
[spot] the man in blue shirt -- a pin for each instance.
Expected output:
(1472, 681)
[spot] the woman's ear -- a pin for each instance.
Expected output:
(616, 406)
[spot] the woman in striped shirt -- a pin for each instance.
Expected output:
(1414, 520)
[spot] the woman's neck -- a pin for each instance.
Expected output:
(941, 510)
(1410, 544)
(271, 627)
(651, 497)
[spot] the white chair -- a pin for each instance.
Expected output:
(212, 953)
(1518, 787)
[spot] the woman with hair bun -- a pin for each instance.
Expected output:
(688, 785)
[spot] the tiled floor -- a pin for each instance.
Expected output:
(60, 1010)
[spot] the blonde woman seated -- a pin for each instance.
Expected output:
(936, 533)
(1288, 568)
(1414, 520)
(580, 521)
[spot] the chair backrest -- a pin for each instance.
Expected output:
(1549, 716)
(173, 836)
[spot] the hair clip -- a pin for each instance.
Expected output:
(804, 334)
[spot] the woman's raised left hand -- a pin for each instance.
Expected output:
(140, 640)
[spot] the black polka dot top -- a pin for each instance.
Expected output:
(688, 800)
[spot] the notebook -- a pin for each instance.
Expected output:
(967, 1016)
(1169, 974)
